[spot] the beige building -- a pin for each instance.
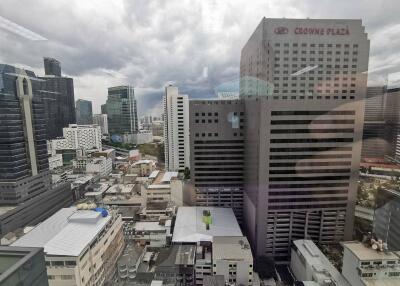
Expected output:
(365, 266)
(143, 168)
(81, 246)
(163, 187)
(232, 258)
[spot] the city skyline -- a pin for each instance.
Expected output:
(197, 68)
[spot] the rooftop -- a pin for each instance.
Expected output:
(363, 252)
(66, 233)
(190, 227)
(323, 268)
(232, 248)
(151, 226)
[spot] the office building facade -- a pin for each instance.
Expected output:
(121, 110)
(217, 153)
(303, 83)
(101, 120)
(25, 189)
(176, 129)
(387, 218)
(57, 94)
(52, 67)
(84, 114)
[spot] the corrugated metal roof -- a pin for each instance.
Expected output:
(68, 232)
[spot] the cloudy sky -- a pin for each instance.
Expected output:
(194, 44)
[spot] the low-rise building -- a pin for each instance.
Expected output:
(370, 264)
(232, 258)
(81, 246)
(195, 224)
(143, 168)
(152, 233)
(310, 265)
(163, 187)
(99, 165)
(22, 266)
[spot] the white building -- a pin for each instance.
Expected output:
(86, 137)
(191, 224)
(310, 265)
(232, 258)
(364, 266)
(81, 246)
(55, 161)
(102, 121)
(100, 165)
(176, 129)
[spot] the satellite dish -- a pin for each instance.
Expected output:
(374, 246)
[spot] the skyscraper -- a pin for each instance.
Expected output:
(217, 153)
(375, 135)
(52, 67)
(57, 94)
(121, 110)
(101, 120)
(24, 180)
(84, 114)
(176, 129)
(303, 84)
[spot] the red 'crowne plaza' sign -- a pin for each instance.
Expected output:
(314, 31)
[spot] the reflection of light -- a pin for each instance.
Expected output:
(306, 69)
(19, 30)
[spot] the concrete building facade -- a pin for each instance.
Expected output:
(304, 84)
(176, 130)
(101, 120)
(217, 153)
(81, 246)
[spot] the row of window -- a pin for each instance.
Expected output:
(295, 45)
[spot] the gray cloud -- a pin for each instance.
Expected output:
(148, 43)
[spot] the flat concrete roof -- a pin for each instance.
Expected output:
(363, 252)
(231, 248)
(189, 225)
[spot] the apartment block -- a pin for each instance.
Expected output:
(176, 129)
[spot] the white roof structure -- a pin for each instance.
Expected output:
(168, 176)
(154, 174)
(189, 225)
(322, 267)
(66, 233)
(151, 226)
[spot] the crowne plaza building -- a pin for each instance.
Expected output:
(303, 83)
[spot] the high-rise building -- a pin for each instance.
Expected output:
(176, 129)
(303, 83)
(52, 66)
(121, 110)
(101, 120)
(217, 153)
(23, 266)
(26, 195)
(57, 94)
(387, 217)
(375, 135)
(84, 114)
